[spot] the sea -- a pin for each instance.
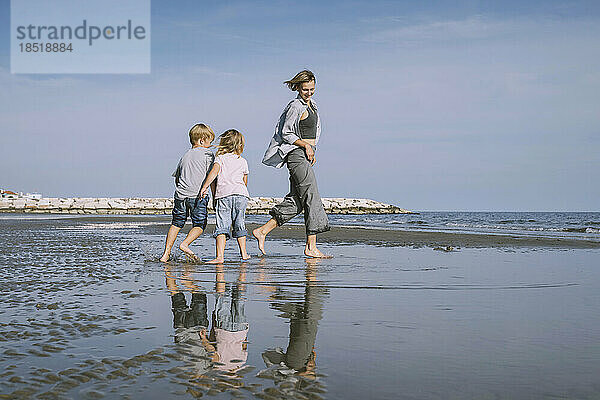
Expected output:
(583, 225)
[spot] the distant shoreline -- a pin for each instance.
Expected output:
(163, 206)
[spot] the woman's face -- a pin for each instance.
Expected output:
(307, 90)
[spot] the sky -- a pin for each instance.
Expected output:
(473, 105)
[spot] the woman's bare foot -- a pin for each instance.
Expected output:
(315, 253)
(189, 253)
(216, 261)
(165, 257)
(260, 236)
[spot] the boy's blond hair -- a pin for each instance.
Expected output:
(231, 141)
(200, 132)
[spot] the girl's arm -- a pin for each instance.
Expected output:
(245, 179)
(209, 179)
(213, 189)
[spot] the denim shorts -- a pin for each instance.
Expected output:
(192, 206)
(231, 213)
(229, 312)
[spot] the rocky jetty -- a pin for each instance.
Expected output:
(256, 205)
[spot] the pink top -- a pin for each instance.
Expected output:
(230, 348)
(231, 176)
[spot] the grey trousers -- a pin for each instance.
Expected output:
(303, 196)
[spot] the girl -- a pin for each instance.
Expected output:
(231, 194)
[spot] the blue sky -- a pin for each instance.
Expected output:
(427, 105)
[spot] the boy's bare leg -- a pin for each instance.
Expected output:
(170, 280)
(311, 248)
(242, 244)
(192, 235)
(261, 233)
(221, 239)
(171, 236)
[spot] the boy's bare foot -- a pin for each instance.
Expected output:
(315, 253)
(165, 258)
(216, 261)
(189, 253)
(260, 236)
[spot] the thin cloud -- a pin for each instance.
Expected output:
(475, 27)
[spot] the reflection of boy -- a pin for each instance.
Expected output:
(230, 331)
(190, 325)
(189, 177)
(189, 317)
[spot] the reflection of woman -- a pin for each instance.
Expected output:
(304, 320)
(294, 144)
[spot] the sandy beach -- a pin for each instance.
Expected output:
(93, 314)
(383, 237)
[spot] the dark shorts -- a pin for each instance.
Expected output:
(191, 206)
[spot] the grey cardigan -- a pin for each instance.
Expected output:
(287, 131)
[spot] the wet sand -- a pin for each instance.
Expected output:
(89, 312)
(417, 239)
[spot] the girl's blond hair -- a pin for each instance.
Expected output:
(200, 132)
(231, 141)
(301, 77)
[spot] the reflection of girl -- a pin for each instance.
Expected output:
(230, 326)
(230, 331)
(294, 145)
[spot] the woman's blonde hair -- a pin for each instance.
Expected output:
(200, 132)
(301, 77)
(231, 141)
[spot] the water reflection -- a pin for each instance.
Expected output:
(294, 371)
(229, 324)
(190, 323)
(217, 356)
(304, 319)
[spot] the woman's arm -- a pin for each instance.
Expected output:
(310, 153)
(245, 179)
(209, 179)
(288, 130)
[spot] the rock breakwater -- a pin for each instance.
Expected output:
(132, 206)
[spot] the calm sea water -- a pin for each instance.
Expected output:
(88, 312)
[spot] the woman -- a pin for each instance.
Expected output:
(294, 143)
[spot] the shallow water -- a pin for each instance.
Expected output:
(88, 313)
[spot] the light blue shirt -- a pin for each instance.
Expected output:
(287, 131)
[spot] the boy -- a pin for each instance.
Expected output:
(189, 177)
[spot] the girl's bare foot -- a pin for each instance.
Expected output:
(216, 261)
(315, 253)
(189, 253)
(165, 257)
(260, 236)
(246, 257)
